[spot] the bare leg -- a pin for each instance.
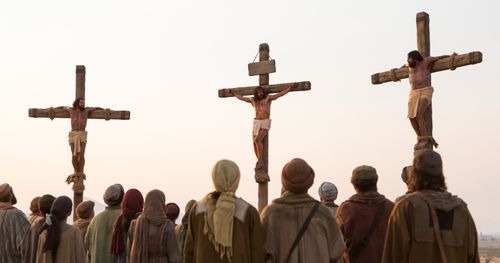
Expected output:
(82, 157)
(255, 147)
(74, 159)
(423, 105)
(414, 124)
(259, 141)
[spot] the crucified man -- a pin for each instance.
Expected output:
(261, 101)
(78, 136)
(421, 90)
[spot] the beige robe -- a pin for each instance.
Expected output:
(247, 245)
(70, 249)
(31, 241)
(410, 238)
(282, 220)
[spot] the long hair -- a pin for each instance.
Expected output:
(255, 97)
(415, 55)
(419, 181)
(75, 103)
(60, 210)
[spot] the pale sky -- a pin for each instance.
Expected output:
(165, 60)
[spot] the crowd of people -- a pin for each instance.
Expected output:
(427, 224)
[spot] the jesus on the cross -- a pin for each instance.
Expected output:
(77, 137)
(421, 90)
(262, 122)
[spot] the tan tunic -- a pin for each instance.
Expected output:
(282, 220)
(410, 237)
(247, 236)
(31, 241)
(70, 248)
(82, 225)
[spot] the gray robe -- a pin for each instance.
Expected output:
(13, 227)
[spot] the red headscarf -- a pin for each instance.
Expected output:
(132, 204)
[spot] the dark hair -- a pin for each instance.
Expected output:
(255, 93)
(366, 185)
(75, 103)
(422, 181)
(61, 207)
(415, 55)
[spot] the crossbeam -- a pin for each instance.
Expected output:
(274, 88)
(451, 62)
(105, 114)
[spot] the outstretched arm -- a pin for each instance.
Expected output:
(283, 92)
(434, 59)
(238, 96)
(91, 109)
(64, 108)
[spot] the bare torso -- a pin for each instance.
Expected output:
(78, 118)
(262, 108)
(420, 75)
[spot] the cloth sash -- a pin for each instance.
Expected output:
(260, 124)
(415, 96)
(76, 138)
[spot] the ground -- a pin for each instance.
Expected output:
(489, 251)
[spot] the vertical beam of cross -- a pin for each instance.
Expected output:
(263, 184)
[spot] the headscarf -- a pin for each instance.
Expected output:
(297, 176)
(60, 210)
(5, 191)
(428, 162)
(219, 217)
(84, 209)
(113, 195)
(172, 211)
(181, 237)
(34, 205)
(328, 191)
(132, 205)
(153, 213)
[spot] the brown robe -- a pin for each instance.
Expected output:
(31, 241)
(355, 217)
(82, 225)
(247, 246)
(410, 235)
(70, 249)
(282, 219)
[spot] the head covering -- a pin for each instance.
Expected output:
(364, 173)
(219, 217)
(34, 205)
(428, 162)
(84, 209)
(113, 195)
(172, 211)
(132, 204)
(297, 176)
(5, 190)
(60, 210)
(405, 173)
(153, 213)
(45, 203)
(189, 205)
(328, 191)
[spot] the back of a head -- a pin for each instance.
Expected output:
(60, 210)
(189, 205)
(154, 207)
(34, 205)
(364, 178)
(85, 209)
(113, 195)
(7, 194)
(226, 176)
(45, 203)
(427, 171)
(132, 204)
(328, 191)
(297, 176)
(172, 211)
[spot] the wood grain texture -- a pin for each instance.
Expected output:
(261, 67)
(61, 113)
(275, 88)
(80, 82)
(423, 34)
(440, 65)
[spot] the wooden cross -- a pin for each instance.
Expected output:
(263, 68)
(106, 114)
(424, 47)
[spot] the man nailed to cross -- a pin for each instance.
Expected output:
(77, 137)
(261, 101)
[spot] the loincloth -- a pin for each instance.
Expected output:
(77, 138)
(260, 124)
(415, 96)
